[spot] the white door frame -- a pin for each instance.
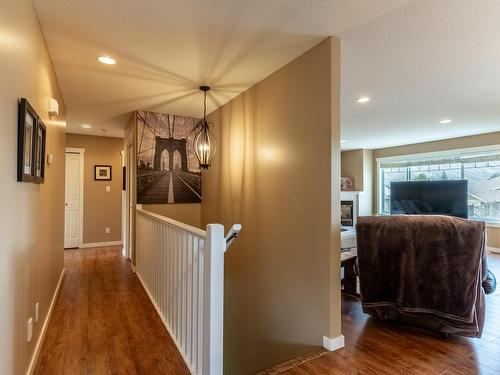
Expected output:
(124, 207)
(81, 152)
(129, 157)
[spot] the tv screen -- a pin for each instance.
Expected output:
(430, 197)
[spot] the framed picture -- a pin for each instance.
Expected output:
(41, 135)
(347, 184)
(26, 143)
(102, 172)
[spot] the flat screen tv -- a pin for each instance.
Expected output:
(430, 198)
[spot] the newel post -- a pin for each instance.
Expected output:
(213, 296)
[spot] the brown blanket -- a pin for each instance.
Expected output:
(423, 269)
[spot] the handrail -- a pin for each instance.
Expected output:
(232, 234)
(163, 219)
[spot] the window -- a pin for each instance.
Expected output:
(480, 169)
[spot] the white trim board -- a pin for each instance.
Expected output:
(45, 325)
(495, 250)
(333, 344)
(100, 244)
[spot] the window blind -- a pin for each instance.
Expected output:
(451, 159)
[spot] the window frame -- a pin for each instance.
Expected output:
(456, 153)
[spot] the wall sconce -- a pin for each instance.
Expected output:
(53, 107)
(204, 141)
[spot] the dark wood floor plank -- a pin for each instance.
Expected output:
(374, 347)
(104, 323)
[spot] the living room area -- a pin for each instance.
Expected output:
(456, 177)
(419, 141)
(444, 160)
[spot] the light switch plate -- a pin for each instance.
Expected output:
(108, 230)
(108, 189)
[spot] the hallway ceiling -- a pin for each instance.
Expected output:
(166, 49)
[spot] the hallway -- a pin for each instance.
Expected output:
(103, 322)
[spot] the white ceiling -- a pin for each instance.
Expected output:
(166, 49)
(419, 61)
(430, 60)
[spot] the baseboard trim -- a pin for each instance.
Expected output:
(493, 249)
(333, 344)
(100, 244)
(132, 267)
(179, 347)
(41, 337)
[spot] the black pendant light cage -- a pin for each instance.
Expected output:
(204, 141)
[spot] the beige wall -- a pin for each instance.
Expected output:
(32, 220)
(277, 173)
(189, 213)
(352, 166)
(481, 140)
(359, 165)
(101, 209)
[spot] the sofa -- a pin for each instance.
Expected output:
(426, 270)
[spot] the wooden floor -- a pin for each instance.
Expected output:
(373, 347)
(104, 323)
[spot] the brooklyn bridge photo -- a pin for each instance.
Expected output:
(167, 167)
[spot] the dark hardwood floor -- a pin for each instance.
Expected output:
(104, 323)
(373, 347)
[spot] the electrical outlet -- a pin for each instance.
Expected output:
(37, 307)
(29, 330)
(108, 230)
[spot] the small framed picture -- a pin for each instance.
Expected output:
(102, 172)
(26, 145)
(41, 135)
(347, 184)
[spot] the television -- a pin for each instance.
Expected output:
(430, 198)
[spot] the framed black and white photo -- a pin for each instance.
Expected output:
(41, 135)
(168, 171)
(102, 172)
(26, 147)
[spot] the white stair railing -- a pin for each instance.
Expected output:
(182, 270)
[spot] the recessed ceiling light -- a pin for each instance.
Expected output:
(107, 60)
(364, 99)
(86, 126)
(343, 141)
(445, 121)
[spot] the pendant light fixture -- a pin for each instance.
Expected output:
(204, 141)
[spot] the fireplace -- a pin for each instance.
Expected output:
(348, 216)
(347, 213)
(349, 201)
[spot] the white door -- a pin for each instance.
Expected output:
(72, 225)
